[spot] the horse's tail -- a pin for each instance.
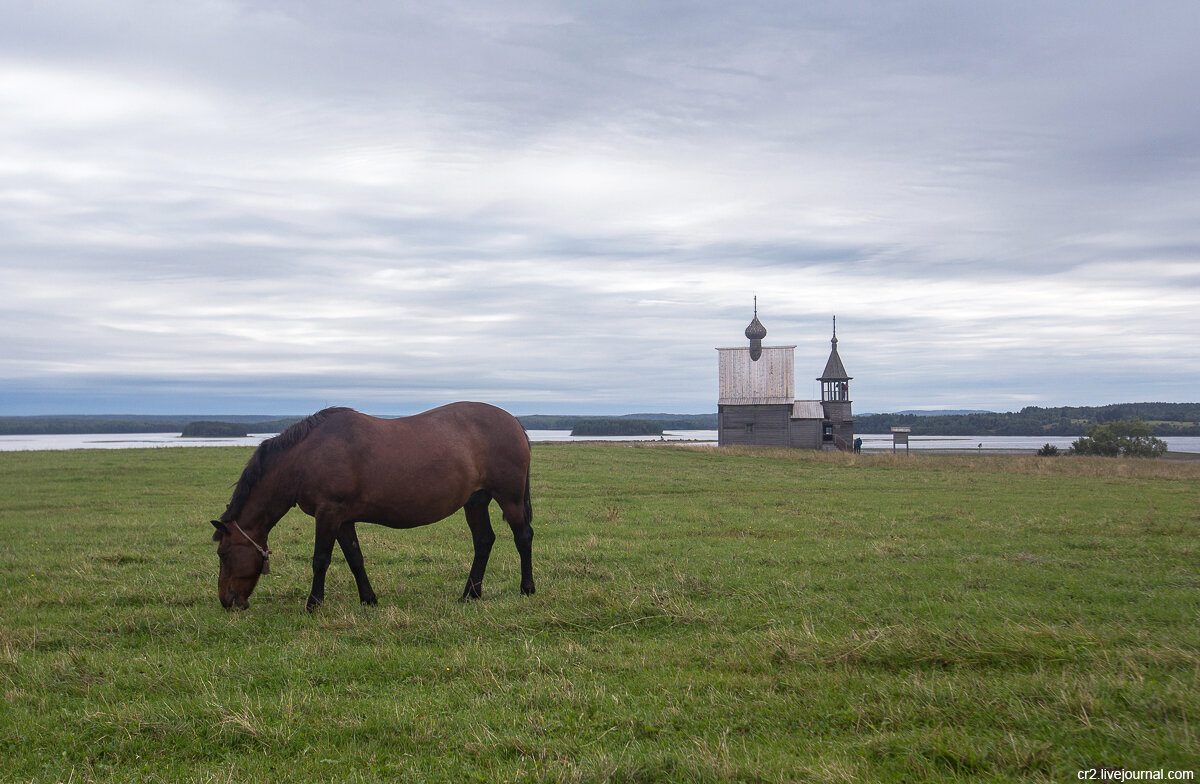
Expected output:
(528, 499)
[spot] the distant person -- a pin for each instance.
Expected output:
(857, 446)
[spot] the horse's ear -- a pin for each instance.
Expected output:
(221, 530)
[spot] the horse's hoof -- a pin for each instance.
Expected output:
(370, 601)
(528, 590)
(313, 604)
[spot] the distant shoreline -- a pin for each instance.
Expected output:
(1181, 448)
(1165, 419)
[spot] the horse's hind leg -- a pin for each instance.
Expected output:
(518, 516)
(483, 536)
(348, 539)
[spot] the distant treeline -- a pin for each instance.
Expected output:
(76, 425)
(214, 430)
(616, 426)
(1165, 419)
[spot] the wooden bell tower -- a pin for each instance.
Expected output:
(838, 428)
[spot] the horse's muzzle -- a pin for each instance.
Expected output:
(234, 602)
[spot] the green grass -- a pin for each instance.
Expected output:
(701, 616)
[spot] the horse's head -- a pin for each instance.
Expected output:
(243, 561)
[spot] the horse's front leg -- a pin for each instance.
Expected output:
(348, 539)
(322, 555)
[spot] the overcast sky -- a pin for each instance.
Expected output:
(268, 207)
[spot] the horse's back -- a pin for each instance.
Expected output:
(427, 464)
(485, 435)
(495, 424)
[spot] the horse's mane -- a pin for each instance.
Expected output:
(265, 455)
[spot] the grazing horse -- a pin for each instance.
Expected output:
(343, 467)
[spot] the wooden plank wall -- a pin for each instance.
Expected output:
(769, 425)
(770, 380)
(806, 433)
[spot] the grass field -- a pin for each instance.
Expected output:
(701, 616)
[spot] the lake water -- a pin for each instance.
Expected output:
(872, 442)
(120, 441)
(165, 440)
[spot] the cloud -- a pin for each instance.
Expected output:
(567, 206)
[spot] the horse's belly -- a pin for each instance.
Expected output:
(400, 524)
(406, 516)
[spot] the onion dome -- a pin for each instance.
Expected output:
(756, 332)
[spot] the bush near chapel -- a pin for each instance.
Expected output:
(1124, 438)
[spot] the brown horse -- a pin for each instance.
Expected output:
(343, 467)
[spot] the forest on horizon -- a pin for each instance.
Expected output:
(1165, 419)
